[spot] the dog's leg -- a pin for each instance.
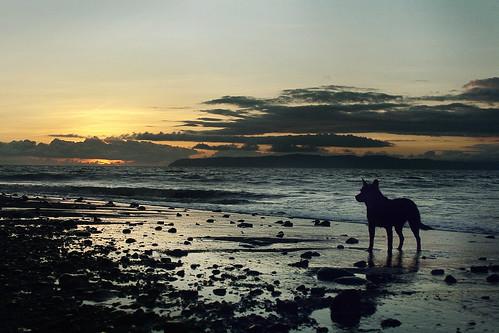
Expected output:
(389, 236)
(372, 232)
(415, 231)
(398, 230)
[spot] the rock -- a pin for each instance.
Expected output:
(158, 228)
(287, 224)
(324, 223)
(479, 269)
(494, 278)
(360, 264)
(494, 268)
(110, 204)
(245, 225)
(220, 291)
(350, 280)
(300, 264)
(340, 247)
(134, 205)
(348, 306)
(210, 220)
(130, 240)
(302, 288)
(141, 208)
(438, 271)
(82, 233)
(310, 254)
(177, 253)
(482, 258)
(287, 307)
(317, 291)
(490, 237)
(126, 231)
(179, 215)
(280, 234)
(87, 242)
(352, 240)
(449, 279)
(188, 294)
(80, 199)
(390, 322)
(172, 230)
(321, 330)
(331, 273)
(73, 281)
(226, 216)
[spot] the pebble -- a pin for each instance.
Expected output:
(360, 264)
(438, 271)
(352, 240)
(331, 273)
(220, 291)
(390, 322)
(494, 278)
(449, 279)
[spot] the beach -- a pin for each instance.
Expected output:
(123, 266)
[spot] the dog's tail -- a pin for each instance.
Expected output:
(424, 226)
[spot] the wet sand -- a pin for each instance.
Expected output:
(93, 266)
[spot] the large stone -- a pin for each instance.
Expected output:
(332, 273)
(351, 280)
(348, 306)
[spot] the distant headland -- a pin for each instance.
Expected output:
(337, 161)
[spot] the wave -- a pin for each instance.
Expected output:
(145, 193)
(38, 176)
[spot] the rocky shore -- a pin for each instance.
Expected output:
(87, 266)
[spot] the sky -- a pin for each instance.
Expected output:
(408, 78)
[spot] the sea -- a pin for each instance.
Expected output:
(448, 200)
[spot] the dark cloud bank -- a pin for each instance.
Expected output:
(331, 110)
(93, 148)
(339, 109)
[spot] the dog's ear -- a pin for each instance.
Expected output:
(376, 183)
(364, 182)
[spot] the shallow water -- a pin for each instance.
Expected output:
(449, 200)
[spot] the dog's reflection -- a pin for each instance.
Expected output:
(410, 264)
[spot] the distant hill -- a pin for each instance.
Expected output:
(337, 161)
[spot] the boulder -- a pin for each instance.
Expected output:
(331, 273)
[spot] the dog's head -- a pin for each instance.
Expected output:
(368, 191)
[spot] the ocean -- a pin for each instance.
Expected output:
(448, 200)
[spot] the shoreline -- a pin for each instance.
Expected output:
(189, 270)
(277, 215)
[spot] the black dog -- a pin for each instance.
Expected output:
(389, 213)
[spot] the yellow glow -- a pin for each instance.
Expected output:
(94, 161)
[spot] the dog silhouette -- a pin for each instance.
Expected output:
(389, 214)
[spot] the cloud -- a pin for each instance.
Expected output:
(485, 90)
(340, 109)
(292, 148)
(245, 147)
(93, 148)
(320, 140)
(481, 90)
(68, 136)
(477, 152)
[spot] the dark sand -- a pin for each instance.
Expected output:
(82, 265)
